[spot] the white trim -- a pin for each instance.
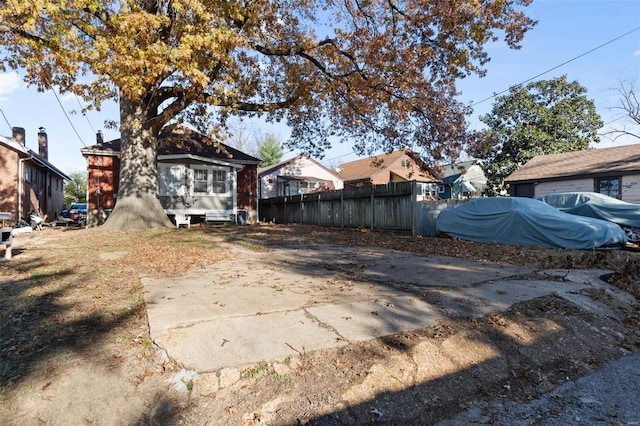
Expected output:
(198, 158)
(210, 182)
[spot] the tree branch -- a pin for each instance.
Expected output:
(300, 52)
(257, 106)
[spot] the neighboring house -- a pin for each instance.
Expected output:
(610, 171)
(299, 175)
(28, 182)
(462, 180)
(396, 166)
(196, 176)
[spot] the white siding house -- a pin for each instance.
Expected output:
(299, 175)
(610, 171)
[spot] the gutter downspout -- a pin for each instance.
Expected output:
(20, 186)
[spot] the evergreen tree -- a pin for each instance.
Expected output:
(270, 151)
(543, 117)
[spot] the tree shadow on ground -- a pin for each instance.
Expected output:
(427, 375)
(490, 361)
(40, 319)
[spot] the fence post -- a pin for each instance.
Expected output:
(342, 208)
(414, 205)
(373, 211)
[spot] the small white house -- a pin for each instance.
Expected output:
(462, 180)
(299, 175)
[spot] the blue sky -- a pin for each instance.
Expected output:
(566, 30)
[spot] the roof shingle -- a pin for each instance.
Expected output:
(367, 168)
(622, 159)
(184, 141)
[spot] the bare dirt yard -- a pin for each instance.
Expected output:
(75, 346)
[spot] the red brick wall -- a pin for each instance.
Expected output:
(247, 188)
(8, 181)
(103, 174)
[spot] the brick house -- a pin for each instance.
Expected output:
(28, 181)
(396, 166)
(196, 177)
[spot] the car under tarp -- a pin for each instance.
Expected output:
(525, 221)
(592, 204)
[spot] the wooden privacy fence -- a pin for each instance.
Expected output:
(408, 206)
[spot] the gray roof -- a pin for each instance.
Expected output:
(621, 160)
(181, 141)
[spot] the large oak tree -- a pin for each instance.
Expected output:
(379, 74)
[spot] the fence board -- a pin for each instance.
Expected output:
(397, 205)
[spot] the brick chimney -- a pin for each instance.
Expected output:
(99, 137)
(43, 143)
(18, 134)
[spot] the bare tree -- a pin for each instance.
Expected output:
(629, 103)
(243, 137)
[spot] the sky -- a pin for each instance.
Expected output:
(582, 39)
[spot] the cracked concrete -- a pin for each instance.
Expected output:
(267, 305)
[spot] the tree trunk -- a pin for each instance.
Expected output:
(137, 205)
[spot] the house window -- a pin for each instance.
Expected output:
(171, 179)
(610, 187)
(406, 164)
(27, 174)
(200, 181)
(49, 185)
(219, 180)
(210, 181)
(441, 189)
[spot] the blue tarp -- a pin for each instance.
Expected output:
(592, 204)
(525, 221)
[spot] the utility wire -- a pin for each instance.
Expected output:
(557, 66)
(84, 114)
(68, 119)
(5, 119)
(620, 117)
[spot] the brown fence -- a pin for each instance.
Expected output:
(397, 206)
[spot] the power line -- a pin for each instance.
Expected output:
(68, 119)
(5, 119)
(558, 66)
(84, 114)
(620, 117)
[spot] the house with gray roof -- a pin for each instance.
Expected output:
(197, 177)
(462, 180)
(610, 171)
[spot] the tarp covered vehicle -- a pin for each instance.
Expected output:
(600, 206)
(525, 221)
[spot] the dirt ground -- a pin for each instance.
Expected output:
(75, 345)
